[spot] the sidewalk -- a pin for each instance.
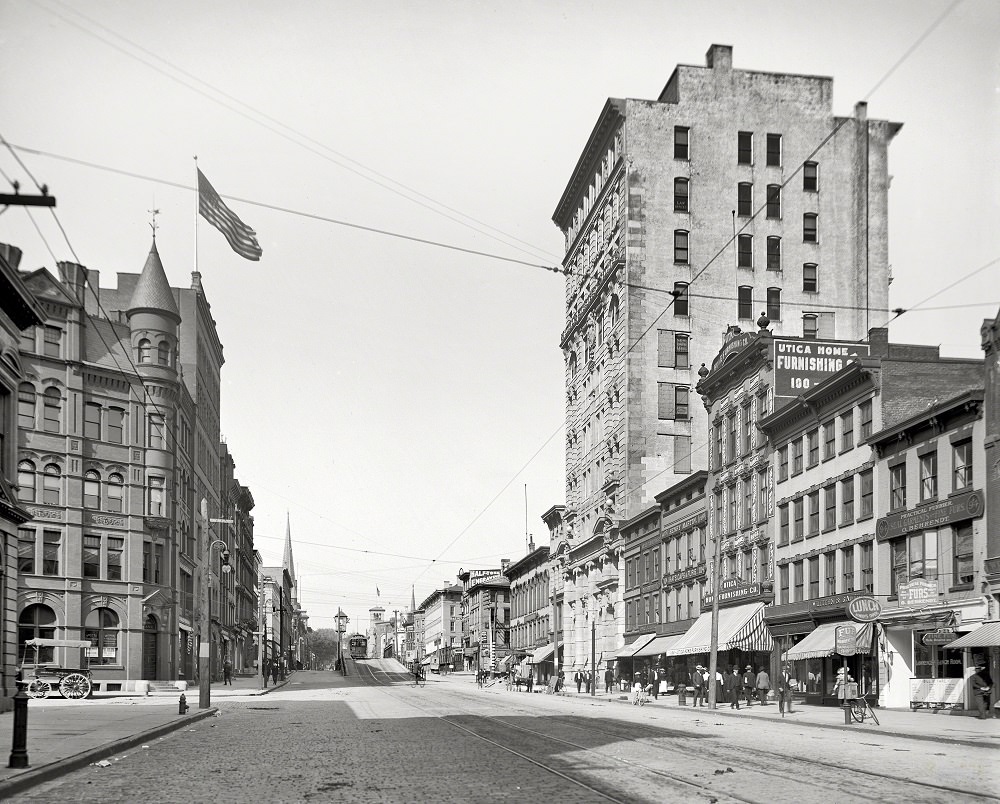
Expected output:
(920, 725)
(66, 735)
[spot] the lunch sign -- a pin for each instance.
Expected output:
(802, 364)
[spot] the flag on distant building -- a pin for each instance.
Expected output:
(212, 208)
(377, 592)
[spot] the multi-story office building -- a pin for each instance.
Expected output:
(531, 610)
(442, 626)
(732, 192)
(486, 616)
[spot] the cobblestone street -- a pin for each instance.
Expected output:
(325, 738)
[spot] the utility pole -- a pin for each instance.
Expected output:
(713, 651)
(593, 656)
(205, 647)
(261, 634)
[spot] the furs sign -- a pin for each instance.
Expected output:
(800, 364)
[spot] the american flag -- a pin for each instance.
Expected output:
(212, 208)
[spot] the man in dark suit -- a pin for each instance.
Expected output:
(609, 680)
(733, 682)
(578, 678)
(980, 691)
(785, 687)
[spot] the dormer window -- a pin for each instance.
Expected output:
(144, 351)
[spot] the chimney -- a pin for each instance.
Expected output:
(720, 57)
(878, 340)
(861, 110)
(11, 254)
(75, 278)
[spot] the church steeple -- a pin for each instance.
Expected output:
(287, 563)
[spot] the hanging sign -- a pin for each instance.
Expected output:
(864, 609)
(847, 640)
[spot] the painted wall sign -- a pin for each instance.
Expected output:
(865, 609)
(917, 592)
(954, 509)
(800, 365)
(688, 524)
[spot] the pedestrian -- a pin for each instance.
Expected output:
(227, 673)
(763, 685)
(698, 682)
(609, 680)
(718, 688)
(586, 680)
(274, 673)
(785, 686)
(578, 678)
(981, 688)
(734, 684)
(726, 686)
(267, 672)
(656, 684)
(749, 682)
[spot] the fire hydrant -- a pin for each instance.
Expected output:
(182, 705)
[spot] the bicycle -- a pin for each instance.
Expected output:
(419, 680)
(861, 709)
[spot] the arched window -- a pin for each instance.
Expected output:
(26, 406)
(91, 490)
(810, 326)
(774, 200)
(115, 492)
(744, 199)
(680, 246)
(744, 303)
(774, 304)
(52, 485)
(681, 187)
(163, 353)
(773, 253)
(51, 410)
(37, 622)
(680, 294)
(26, 490)
(101, 629)
(144, 350)
(810, 223)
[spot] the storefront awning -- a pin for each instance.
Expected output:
(629, 650)
(425, 660)
(659, 645)
(740, 628)
(821, 642)
(986, 636)
(542, 654)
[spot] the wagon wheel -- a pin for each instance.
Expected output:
(75, 685)
(38, 688)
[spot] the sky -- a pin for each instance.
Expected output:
(400, 403)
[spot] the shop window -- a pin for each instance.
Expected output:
(38, 622)
(914, 557)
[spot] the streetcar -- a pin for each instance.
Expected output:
(358, 646)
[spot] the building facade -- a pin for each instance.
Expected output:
(486, 616)
(442, 627)
(531, 610)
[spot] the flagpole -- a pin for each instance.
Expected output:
(197, 198)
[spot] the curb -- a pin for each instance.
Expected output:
(52, 770)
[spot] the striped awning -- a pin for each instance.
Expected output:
(541, 654)
(820, 643)
(740, 628)
(986, 636)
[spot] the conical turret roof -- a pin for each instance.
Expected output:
(152, 291)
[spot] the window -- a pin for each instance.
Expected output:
(26, 406)
(897, 487)
(812, 440)
(26, 491)
(867, 491)
(733, 524)
(156, 506)
(744, 199)
(51, 410)
(774, 150)
(680, 294)
(847, 431)
(774, 200)
(866, 419)
(867, 567)
(798, 510)
(680, 246)
(810, 177)
(747, 430)
(964, 571)
(92, 421)
(830, 504)
(849, 569)
(809, 223)
(53, 339)
(681, 356)
(813, 514)
(810, 326)
(798, 588)
(116, 425)
(962, 461)
(813, 577)
(156, 439)
(810, 279)
(26, 551)
(91, 489)
(773, 253)
(783, 463)
(681, 142)
(744, 305)
(51, 542)
(101, 628)
(719, 456)
(163, 353)
(144, 350)
(928, 476)
(681, 195)
(27, 340)
(774, 304)
(783, 583)
(158, 565)
(681, 402)
(91, 556)
(847, 501)
(682, 453)
(914, 557)
(829, 439)
(744, 251)
(115, 489)
(731, 439)
(52, 485)
(796, 456)
(830, 573)
(38, 622)
(744, 148)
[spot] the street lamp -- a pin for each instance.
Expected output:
(205, 648)
(342, 620)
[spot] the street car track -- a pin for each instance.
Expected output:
(767, 763)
